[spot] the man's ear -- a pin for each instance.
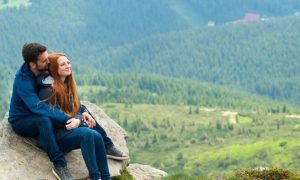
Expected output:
(32, 65)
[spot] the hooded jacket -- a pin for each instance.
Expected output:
(25, 100)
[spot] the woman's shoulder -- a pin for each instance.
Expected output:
(44, 79)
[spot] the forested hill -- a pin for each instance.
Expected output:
(131, 88)
(82, 27)
(260, 57)
(115, 33)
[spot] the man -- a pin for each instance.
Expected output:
(31, 117)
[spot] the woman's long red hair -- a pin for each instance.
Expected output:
(64, 94)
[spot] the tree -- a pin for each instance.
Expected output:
(218, 125)
(154, 140)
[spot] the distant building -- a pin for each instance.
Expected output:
(249, 17)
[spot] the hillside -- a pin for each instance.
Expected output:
(201, 100)
(78, 26)
(207, 142)
(260, 57)
(154, 89)
(137, 36)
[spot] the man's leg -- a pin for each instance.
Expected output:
(41, 128)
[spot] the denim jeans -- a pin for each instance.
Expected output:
(92, 146)
(40, 127)
(107, 141)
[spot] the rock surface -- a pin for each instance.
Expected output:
(145, 172)
(22, 160)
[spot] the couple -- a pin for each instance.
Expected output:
(45, 105)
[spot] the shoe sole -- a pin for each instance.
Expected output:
(56, 175)
(116, 157)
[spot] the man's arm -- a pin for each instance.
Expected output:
(27, 93)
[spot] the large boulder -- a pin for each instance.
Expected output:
(145, 172)
(20, 159)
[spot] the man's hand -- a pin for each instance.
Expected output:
(89, 120)
(72, 123)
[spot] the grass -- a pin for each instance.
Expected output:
(125, 175)
(206, 143)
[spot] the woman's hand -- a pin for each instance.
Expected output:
(89, 120)
(72, 123)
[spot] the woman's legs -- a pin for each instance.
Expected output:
(107, 141)
(92, 148)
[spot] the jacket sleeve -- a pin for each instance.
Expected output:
(83, 109)
(28, 94)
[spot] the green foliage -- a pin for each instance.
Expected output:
(273, 173)
(258, 57)
(249, 174)
(191, 143)
(160, 38)
(125, 175)
(154, 89)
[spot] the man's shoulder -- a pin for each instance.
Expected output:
(24, 73)
(21, 79)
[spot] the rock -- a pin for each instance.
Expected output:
(145, 172)
(19, 159)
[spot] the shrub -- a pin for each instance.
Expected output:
(125, 175)
(266, 174)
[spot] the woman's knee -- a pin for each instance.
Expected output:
(92, 134)
(87, 133)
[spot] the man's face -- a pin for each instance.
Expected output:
(42, 62)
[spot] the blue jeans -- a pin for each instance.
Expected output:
(92, 146)
(107, 141)
(40, 127)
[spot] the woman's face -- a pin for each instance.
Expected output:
(64, 66)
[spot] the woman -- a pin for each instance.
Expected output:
(59, 89)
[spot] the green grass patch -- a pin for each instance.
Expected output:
(125, 175)
(205, 143)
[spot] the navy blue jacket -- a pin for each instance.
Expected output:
(25, 100)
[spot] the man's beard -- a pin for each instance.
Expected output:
(42, 69)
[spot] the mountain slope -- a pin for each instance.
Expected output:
(154, 89)
(259, 57)
(87, 30)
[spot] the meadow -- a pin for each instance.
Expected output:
(207, 142)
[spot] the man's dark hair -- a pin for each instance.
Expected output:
(31, 51)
